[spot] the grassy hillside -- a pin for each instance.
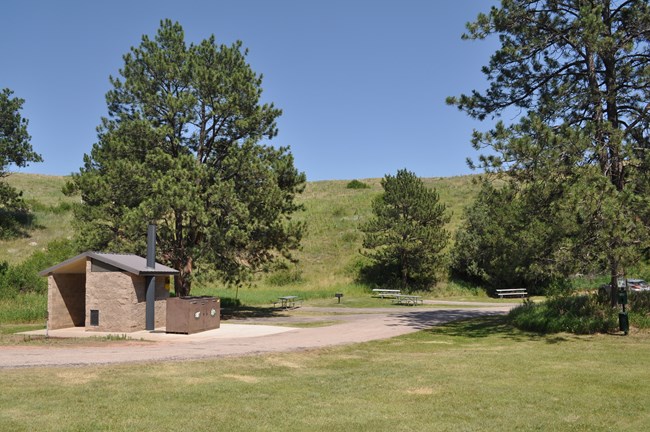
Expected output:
(52, 211)
(333, 213)
(329, 256)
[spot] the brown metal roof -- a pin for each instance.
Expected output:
(127, 262)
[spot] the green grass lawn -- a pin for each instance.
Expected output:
(470, 376)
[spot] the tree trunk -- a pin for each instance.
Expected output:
(182, 282)
(614, 273)
(181, 286)
(405, 270)
(183, 264)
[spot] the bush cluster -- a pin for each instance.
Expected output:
(284, 277)
(580, 314)
(639, 306)
(60, 208)
(15, 223)
(356, 184)
(640, 302)
(24, 278)
(24, 308)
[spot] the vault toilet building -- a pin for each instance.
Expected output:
(105, 292)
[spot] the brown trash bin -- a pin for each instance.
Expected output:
(192, 314)
(211, 313)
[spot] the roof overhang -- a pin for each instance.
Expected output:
(125, 262)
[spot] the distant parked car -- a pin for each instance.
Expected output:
(633, 285)
(637, 285)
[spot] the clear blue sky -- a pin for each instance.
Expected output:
(362, 84)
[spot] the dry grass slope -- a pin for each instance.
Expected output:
(333, 213)
(43, 194)
(330, 250)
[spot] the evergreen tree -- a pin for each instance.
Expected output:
(15, 149)
(516, 236)
(577, 71)
(183, 147)
(406, 235)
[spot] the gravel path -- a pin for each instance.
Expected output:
(351, 326)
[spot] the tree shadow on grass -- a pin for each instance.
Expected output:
(16, 223)
(497, 326)
(232, 309)
(479, 327)
(388, 276)
(470, 324)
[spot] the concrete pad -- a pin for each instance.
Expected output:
(226, 331)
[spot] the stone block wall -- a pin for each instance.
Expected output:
(140, 308)
(66, 300)
(120, 301)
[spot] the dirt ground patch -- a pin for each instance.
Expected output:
(351, 326)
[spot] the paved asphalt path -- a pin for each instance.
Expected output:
(351, 326)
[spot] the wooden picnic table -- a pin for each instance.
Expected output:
(383, 293)
(407, 299)
(287, 301)
(516, 292)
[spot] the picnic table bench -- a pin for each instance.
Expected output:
(287, 302)
(515, 292)
(383, 293)
(407, 299)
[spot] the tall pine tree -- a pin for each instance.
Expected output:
(578, 72)
(406, 234)
(15, 149)
(183, 147)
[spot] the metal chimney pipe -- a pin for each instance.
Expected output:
(151, 246)
(150, 281)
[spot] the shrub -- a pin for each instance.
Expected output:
(356, 184)
(639, 320)
(24, 278)
(283, 277)
(23, 308)
(639, 306)
(640, 302)
(350, 237)
(15, 223)
(355, 267)
(338, 212)
(458, 288)
(581, 314)
(6, 290)
(230, 303)
(61, 207)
